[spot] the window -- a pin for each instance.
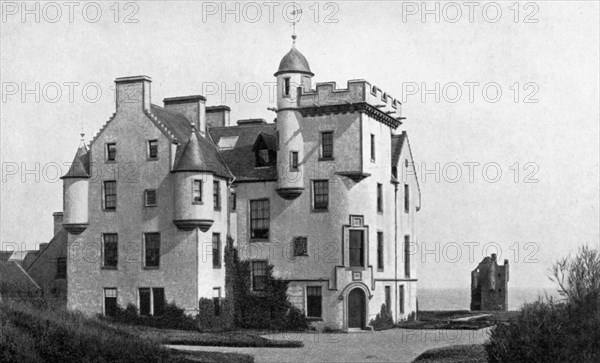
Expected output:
(263, 158)
(379, 198)
(406, 198)
(233, 201)
(320, 194)
(259, 275)
(401, 299)
(216, 247)
(110, 301)
(372, 147)
(300, 246)
(61, 268)
(152, 250)
(152, 149)
(145, 301)
(313, 302)
(388, 299)
(110, 249)
(286, 87)
(293, 160)
(217, 194)
(152, 301)
(259, 218)
(110, 195)
(407, 256)
(196, 191)
(380, 250)
(150, 197)
(158, 299)
(357, 248)
(227, 142)
(327, 145)
(111, 151)
(217, 300)
(395, 172)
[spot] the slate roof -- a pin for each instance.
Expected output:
(177, 123)
(397, 144)
(61, 237)
(5, 255)
(241, 159)
(14, 278)
(200, 154)
(294, 61)
(80, 168)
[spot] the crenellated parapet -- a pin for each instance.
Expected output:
(359, 95)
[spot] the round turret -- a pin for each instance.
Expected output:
(75, 192)
(293, 73)
(196, 175)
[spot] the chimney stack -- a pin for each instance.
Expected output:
(493, 257)
(58, 220)
(192, 107)
(217, 116)
(133, 93)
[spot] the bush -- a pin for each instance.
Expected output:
(383, 320)
(56, 335)
(207, 320)
(172, 317)
(550, 331)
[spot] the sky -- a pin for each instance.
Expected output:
(501, 101)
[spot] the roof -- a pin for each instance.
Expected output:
(200, 154)
(292, 62)
(176, 123)
(14, 278)
(5, 255)
(80, 168)
(241, 159)
(397, 144)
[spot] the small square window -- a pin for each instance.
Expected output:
(111, 151)
(300, 246)
(150, 198)
(152, 149)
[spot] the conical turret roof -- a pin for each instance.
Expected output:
(80, 168)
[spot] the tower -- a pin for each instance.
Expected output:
(293, 72)
(75, 191)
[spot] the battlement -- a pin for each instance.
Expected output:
(357, 91)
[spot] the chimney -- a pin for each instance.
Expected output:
(493, 257)
(133, 93)
(192, 107)
(58, 220)
(217, 116)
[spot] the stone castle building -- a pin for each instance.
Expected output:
(321, 193)
(489, 285)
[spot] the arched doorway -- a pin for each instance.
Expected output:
(356, 309)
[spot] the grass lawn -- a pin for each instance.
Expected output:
(454, 354)
(219, 339)
(443, 319)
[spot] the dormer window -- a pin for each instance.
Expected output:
(286, 87)
(264, 150)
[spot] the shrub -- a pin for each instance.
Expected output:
(383, 320)
(208, 320)
(172, 317)
(550, 331)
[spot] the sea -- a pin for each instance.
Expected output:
(460, 298)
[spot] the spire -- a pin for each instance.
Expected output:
(80, 167)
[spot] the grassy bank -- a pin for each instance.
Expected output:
(31, 335)
(474, 353)
(446, 319)
(218, 339)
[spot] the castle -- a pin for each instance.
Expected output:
(489, 285)
(322, 194)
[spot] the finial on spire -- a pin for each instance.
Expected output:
(295, 12)
(82, 133)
